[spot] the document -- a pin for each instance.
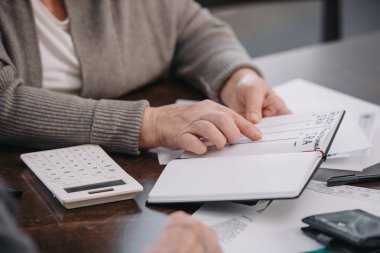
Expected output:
(352, 145)
(276, 228)
(366, 123)
(301, 95)
(276, 167)
(283, 134)
(165, 155)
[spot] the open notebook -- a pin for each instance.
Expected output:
(278, 166)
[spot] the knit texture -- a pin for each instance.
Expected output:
(121, 45)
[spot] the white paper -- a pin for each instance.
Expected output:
(284, 134)
(301, 95)
(367, 125)
(165, 155)
(277, 228)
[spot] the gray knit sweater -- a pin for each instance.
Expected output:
(121, 45)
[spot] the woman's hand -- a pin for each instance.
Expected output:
(184, 234)
(184, 126)
(248, 94)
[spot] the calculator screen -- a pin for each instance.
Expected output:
(94, 186)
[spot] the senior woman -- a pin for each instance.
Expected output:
(62, 63)
(99, 50)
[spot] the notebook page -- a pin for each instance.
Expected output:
(234, 178)
(283, 134)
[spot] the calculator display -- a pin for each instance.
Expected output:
(94, 186)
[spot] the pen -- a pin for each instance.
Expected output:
(352, 179)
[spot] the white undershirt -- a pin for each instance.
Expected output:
(60, 64)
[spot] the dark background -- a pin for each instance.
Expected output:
(269, 26)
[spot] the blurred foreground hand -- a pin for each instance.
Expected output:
(183, 234)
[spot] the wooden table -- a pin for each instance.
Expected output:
(351, 66)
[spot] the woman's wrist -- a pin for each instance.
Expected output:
(148, 136)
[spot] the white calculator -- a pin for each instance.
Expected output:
(82, 175)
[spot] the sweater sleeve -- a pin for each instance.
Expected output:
(207, 50)
(38, 118)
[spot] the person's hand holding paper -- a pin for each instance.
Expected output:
(186, 126)
(251, 96)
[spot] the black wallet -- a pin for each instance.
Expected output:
(345, 231)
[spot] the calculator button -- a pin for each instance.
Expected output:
(53, 174)
(47, 170)
(57, 179)
(98, 173)
(70, 176)
(85, 174)
(80, 170)
(111, 170)
(111, 176)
